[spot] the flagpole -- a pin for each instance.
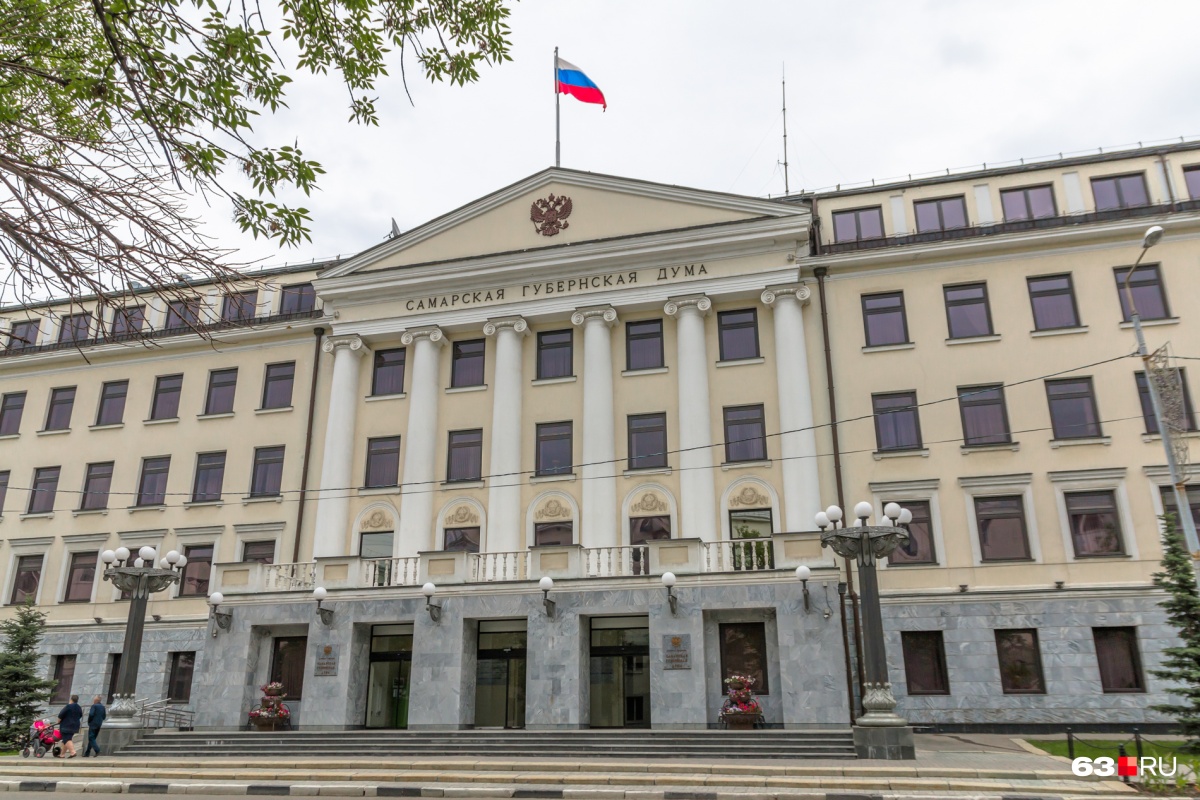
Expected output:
(557, 142)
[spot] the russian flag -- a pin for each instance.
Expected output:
(572, 81)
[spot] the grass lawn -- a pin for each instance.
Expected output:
(1095, 748)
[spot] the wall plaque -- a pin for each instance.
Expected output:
(677, 651)
(327, 662)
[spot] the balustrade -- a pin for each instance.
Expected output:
(290, 577)
(739, 555)
(390, 571)
(613, 562)
(513, 566)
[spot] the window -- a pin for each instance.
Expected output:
(648, 529)
(64, 676)
(553, 533)
(277, 385)
(1073, 412)
(1189, 416)
(222, 384)
(554, 359)
(80, 577)
(919, 548)
(183, 313)
(1119, 660)
(210, 477)
(925, 662)
(462, 540)
(984, 416)
(884, 319)
(897, 423)
(166, 397)
(1028, 202)
(1193, 500)
(967, 311)
(744, 652)
(751, 531)
(737, 332)
(112, 403)
(1020, 662)
(860, 223)
(194, 581)
(466, 363)
(58, 415)
(128, 320)
(388, 377)
(152, 488)
(1191, 177)
(298, 299)
(745, 434)
(554, 448)
(1148, 295)
(75, 328)
(12, 407)
(25, 581)
(1001, 524)
(375, 545)
(1053, 300)
(287, 664)
(24, 334)
(179, 680)
(941, 215)
(96, 484)
(45, 486)
(647, 441)
(3, 489)
(644, 345)
(1095, 524)
(754, 523)
(383, 462)
(464, 461)
(1120, 191)
(266, 478)
(258, 552)
(239, 306)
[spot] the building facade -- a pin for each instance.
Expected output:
(600, 380)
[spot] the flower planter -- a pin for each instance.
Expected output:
(273, 692)
(737, 721)
(268, 723)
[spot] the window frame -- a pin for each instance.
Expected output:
(542, 527)
(542, 437)
(762, 687)
(630, 337)
(36, 490)
(1024, 193)
(457, 358)
(963, 405)
(161, 465)
(1116, 179)
(1159, 283)
(259, 543)
(544, 348)
(930, 505)
(270, 380)
(85, 502)
(1136, 659)
(377, 447)
(161, 392)
(724, 327)
(211, 393)
(635, 462)
(912, 407)
(195, 559)
(131, 318)
(1090, 395)
(376, 368)
(462, 531)
(185, 313)
(857, 216)
(7, 409)
(938, 202)
(78, 562)
(1067, 489)
(235, 304)
(978, 517)
(943, 674)
(987, 309)
(746, 442)
(200, 469)
(5, 477)
(276, 672)
(75, 327)
(17, 570)
(1070, 291)
(30, 332)
(56, 402)
(63, 679)
(1037, 647)
(301, 292)
(174, 680)
(466, 443)
(270, 464)
(870, 312)
(106, 398)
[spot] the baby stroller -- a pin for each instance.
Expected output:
(43, 736)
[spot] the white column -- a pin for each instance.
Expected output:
(801, 486)
(333, 499)
(504, 518)
(599, 515)
(417, 481)
(697, 507)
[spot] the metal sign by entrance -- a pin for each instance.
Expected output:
(327, 662)
(677, 651)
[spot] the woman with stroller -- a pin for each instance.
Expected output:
(68, 725)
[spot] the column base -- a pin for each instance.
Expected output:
(113, 739)
(890, 743)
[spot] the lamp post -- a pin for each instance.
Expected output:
(1152, 237)
(140, 578)
(880, 732)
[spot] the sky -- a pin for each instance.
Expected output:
(875, 89)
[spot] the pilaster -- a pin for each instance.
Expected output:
(504, 518)
(420, 453)
(333, 500)
(599, 527)
(697, 509)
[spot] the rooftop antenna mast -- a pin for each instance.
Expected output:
(786, 188)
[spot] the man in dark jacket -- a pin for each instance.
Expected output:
(96, 716)
(68, 725)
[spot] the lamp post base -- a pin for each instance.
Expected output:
(892, 743)
(123, 713)
(114, 739)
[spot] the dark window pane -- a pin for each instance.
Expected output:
(1053, 299)
(1120, 191)
(925, 662)
(194, 581)
(24, 334)
(1171, 507)
(647, 441)
(1031, 202)
(1001, 524)
(738, 334)
(1020, 662)
(12, 407)
(1133, 190)
(45, 486)
(258, 552)
(940, 215)
(58, 415)
(928, 218)
(897, 425)
(25, 582)
(553, 533)
(745, 434)
(80, 577)
(1105, 192)
(1041, 201)
(376, 545)
(845, 226)
(1015, 206)
(388, 377)
(967, 311)
(467, 363)
(64, 676)
(183, 314)
(3, 489)
(298, 298)
(984, 417)
(179, 684)
(166, 397)
(554, 448)
(862, 223)
(277, 385)
(1095, 524)
(1191, 176)
(96, 485)
(1073, 409)
(954, 213)
(553, 354)
(465, 459)
(112, 403)
(287, 664)
(462, 539)
(75, 328)
(239, 307)
(210, 476)
(647, 529)
(222, 385)
(883, 319)
(919, 547)
(744, 652)
(870, 223)
(383, 461)
(129, 320)
(1148, 295)
(152, 489)
(268, 472)
(1119, 660)
(750, 530)
(644, 344)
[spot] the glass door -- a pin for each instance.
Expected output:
(388, 679)
(500, 674)
(620, 672)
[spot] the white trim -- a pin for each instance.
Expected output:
(257, 532)
(723, 509)
(215, 543)
(567, 500)
(439, 532)
(18, 548)
(1059, 331)
(1091, 480)
(376, 398)
(887, 348)
(65, 572)
(1057, 443)
(552, 381)
(481, 387)
(633, 494)
(1000, 486)
(991, 337)
(629, 373)
(1151, 323)
(740, 362)
(926, 490)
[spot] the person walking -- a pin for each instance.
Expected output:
(96, 716)
(68, 725)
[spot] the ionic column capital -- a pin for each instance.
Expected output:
(347, 341)
(605, 314)
(517, 325)
(432, 333)
(788, 291)
(698, 303)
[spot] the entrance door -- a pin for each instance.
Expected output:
(500, 674)
(388, 680)
(620, 672)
